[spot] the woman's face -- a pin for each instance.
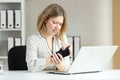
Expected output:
(54, 25)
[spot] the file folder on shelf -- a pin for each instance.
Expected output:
(10, 18)
(3, 18)
(77, 45)
(17, 41)
(70, 41)
(10, 42)
(17, 18)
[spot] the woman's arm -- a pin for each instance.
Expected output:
(33, 62)
(61, 63)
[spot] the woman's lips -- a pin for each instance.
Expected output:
(55, 30)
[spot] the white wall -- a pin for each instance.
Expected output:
(91, 19)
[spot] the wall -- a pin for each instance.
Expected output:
(91, 19)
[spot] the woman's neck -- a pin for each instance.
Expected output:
(47, 36)
(49, 39)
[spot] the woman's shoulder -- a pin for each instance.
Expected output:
(65, 39)
(35, 36)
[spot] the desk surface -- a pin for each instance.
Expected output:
(25, 75)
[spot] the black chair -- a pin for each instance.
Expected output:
(16, 58)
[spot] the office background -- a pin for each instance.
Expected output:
(90, 19)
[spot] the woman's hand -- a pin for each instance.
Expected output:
(69, 47)
(57, 58)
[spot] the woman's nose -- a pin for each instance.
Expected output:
(58, 26)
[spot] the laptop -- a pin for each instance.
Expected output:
(90, 59)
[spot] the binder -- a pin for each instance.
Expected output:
(10, 42)
(70, 41)
(17, 41)
(10, 18)
(77, 45)
(75, 42)
(17, 18)
(3, 17)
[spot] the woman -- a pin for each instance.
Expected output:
(52, 27)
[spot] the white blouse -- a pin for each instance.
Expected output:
(38, 50)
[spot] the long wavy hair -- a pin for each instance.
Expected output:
(52, 11)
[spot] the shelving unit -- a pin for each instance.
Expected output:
(5, 33)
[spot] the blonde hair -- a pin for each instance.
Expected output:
(52, 11)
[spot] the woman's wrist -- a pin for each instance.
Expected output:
(60, 67)
(48, 61)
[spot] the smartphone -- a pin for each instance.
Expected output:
(65, 52)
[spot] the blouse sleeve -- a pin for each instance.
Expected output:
(33, 63)
(67, 63)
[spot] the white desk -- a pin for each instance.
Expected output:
(25, 75)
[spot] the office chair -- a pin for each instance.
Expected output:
(16, 58)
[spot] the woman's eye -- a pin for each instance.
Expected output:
(54, 22)
(60, 24)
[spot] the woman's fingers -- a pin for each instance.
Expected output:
(54, 60)
(57, 58)
(65, 46)
(60, 57)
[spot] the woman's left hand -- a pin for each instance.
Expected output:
(57, 58)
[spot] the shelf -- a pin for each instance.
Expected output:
(9, 1)
(10, 29)
(3, 57)
(15, 32)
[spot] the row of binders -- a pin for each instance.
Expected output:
(10, 19)
(14, 41)
(75, 41)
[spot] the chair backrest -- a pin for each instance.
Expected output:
(16, 58)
